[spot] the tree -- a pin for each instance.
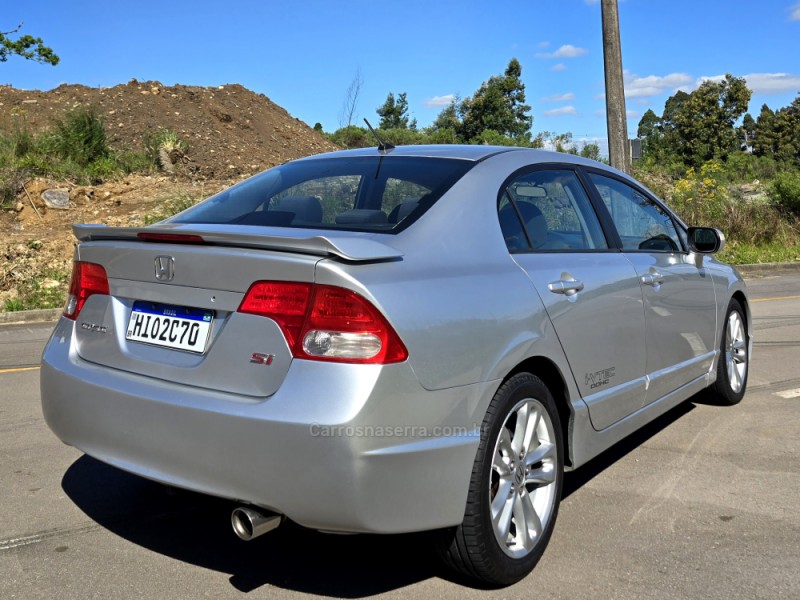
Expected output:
(26, 46)
(394, 113)
(765, 142)
(787, 132)
(747, 132)
(700, 127)
(350, 104)
(650, 132)
(499, 105)
(649, 125)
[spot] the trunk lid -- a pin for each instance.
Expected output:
(198, 288)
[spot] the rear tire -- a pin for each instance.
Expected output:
(733, 363)
(515, 488)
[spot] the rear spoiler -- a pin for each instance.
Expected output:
(354, 247)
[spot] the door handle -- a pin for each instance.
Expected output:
(653, 278)
(567, 285)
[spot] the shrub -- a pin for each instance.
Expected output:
(80, 137)
(784, 191)
(700, 197)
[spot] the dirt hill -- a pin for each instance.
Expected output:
(232, 133)
(230, 130)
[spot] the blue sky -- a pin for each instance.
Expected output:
(303, 54)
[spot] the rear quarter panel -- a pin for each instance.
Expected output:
(462, 306)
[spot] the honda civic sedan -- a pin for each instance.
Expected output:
(394, 340)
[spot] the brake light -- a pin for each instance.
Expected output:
(174, 238)
(324, 322)
(87, 279)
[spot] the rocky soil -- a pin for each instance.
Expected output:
(231, 131)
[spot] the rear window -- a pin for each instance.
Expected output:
(378, 194)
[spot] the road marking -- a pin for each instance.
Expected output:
(18, 369)
(36, 538)
(23, 541)
(776, 298)
(795, 393)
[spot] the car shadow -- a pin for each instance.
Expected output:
(195, 529)
(575, 480)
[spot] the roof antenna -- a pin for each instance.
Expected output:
(383, 146)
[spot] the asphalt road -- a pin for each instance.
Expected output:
(703, 503)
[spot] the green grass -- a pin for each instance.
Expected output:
(752, 254)
(33, 294)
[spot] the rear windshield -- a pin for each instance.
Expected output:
(378, 194)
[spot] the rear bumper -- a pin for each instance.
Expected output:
(357, 448)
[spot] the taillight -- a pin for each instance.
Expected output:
(324, 322)
(87, 279)
(284, 302)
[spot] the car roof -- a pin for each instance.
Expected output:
(475, 153)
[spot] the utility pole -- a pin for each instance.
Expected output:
(616, 118)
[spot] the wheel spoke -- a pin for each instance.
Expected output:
(501, 497)
(502, 520)
(543, 451)
(520, 429)
(734, 375)
(504, 444)
(534, 416)
(544, 475)
(529, 526)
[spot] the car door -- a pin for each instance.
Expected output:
(590, 291)
(679, 297)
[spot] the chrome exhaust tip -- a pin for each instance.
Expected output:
(249, 523)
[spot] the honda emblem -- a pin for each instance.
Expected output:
(165, 268)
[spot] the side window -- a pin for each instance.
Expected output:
(640, 222)
(548, 210)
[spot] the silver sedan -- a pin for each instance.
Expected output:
(396, 339)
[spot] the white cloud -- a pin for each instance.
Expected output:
(763, 83)
(774, 83)
(653, 85)
(568, 97)
(559, 67)
(565, 51)
(794, 12)
(439, 101)
(543, 44)
(561, 112)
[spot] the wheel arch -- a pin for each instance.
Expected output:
(741, 298)
(546, 370)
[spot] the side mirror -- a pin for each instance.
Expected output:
(706, 240)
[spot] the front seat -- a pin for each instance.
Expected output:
(307, 210)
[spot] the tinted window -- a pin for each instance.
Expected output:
(359, 193)
(640, 222)
(549, 210)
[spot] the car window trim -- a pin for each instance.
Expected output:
(555, 166)
(600, 206)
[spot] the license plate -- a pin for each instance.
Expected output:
(175, 327)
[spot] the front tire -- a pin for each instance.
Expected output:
(515, 488)
(733, 363)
